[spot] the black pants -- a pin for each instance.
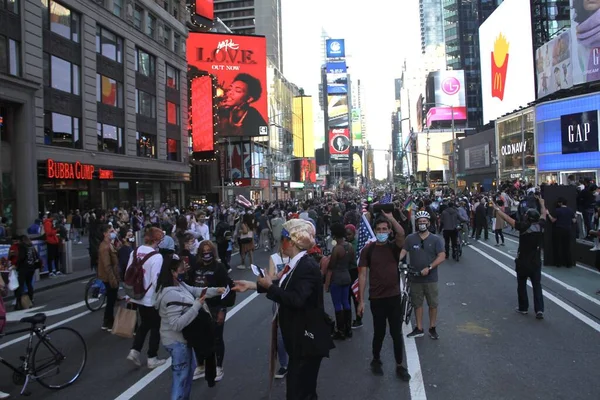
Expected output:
(111, 299)
(482, 227)
(25, 278)
(535, 274)
(499, 235)
(222, 250)
(353, 278)
(219, 342)
(450, 236)
(561, 247)
(53, 257)
(302, 377)
(150, 323)
(209, 360)
(389, 311)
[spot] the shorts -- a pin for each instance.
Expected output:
(421, 291)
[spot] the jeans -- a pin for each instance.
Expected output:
(182, 366)
(77, 234)
(535, 275)
(499, 235)
(387, 310)
(340, 297)
(264, 238)
(301, 379)
(111, 299)
(150, 323)
(53, 257)
(450, 236)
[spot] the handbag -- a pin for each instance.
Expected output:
(13, 280)
(125, 322)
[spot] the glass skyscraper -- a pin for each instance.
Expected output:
(432, 23)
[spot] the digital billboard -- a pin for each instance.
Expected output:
(449, 88)
(507, 73)
(585, 40)
(339, 144)
(356, 126)
(336, 67)
(201, 114)
(337, 78)
(553, 65)
(579, 132)
(240, 64)
(205, 8)
(335, 48)
(337, 110)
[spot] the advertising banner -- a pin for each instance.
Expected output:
(337, 110)
(339, 144)
(477, 156)
(579, 132)
(507, 73)
(356, 126)
(205, 8)
(585, 40)
(240, 64)
(554, 67)
(336, 67)
(337, 78)
(335, 48)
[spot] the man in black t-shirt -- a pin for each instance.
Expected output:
(529, 257)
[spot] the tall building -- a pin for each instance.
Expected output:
(94, 106)
(255, 17)
(432, 23)
(549, 17)
(461, 23)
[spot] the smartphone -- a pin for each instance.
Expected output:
(203, 292)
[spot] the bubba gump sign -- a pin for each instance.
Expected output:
(62, 170)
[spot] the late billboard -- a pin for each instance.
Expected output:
(554, 66)
(507, 73)
(450, 98)
(337, 110)
(339, 144)
(205, 8)
(201, 115)
(585, 40)
(335, 48)
(240, 64)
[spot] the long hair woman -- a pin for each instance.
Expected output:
(246, 234)
(178, 306)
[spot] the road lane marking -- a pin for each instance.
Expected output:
(155, 373)
(556, 280)
(586, 320)
(413, 364)
(17, 315)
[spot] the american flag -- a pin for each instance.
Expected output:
(386, 199)
(365, 236)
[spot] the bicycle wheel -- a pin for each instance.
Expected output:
(95, 294)
(409, 309)
(59, 358)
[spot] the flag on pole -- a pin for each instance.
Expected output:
(355, 290)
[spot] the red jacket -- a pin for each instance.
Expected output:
(50, 231)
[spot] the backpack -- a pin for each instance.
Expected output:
(134, 277)
(391, 245)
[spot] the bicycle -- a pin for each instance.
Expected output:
(95, 294)
(50, 357)
(459, 244)
(405, 303)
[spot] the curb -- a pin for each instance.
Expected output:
(56, 283)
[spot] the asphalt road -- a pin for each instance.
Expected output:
(485, 351)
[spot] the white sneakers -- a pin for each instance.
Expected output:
(596, 245)
(220, 374)
(4, 395)
(200, 373)
(154, 362)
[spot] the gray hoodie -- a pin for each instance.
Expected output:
(176, 317)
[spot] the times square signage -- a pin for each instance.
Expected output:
(76, 171)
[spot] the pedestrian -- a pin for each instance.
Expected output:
(124, 252)
(299, 294)
(52, 245)
(351, 239)
(338, 281)
(223, 238)
(426, 253)
(381, 260)
(450, 222)
(481, 220)
(179, 306)
(150, 320)
(264, 228)
(77, 227)
(562, 234)
(529, 256)
(108, 272)
(27, 262)
(246, 235)
(499, 224)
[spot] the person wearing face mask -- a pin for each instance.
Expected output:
(108, 272)
(210, 272)
(202, 231)
(124, 252)
(426, 253)
(381, 260)
(190, 251)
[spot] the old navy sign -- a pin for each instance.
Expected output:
(513, 148)
(579, 132)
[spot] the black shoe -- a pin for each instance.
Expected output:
(416, 333)
(402, 373)
(338, 335)
(522, 312)
(281, 373)
(357, 323)
(433, 334)
(539, 315)
(348, 323)
(376, 367)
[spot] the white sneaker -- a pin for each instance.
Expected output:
(134, 357)
(52, 274)
(595, 248)
(241, 267)
(220, 374)
(58, 273)
(79, 242)
(4, 395)
(155, 362)
(199, 372)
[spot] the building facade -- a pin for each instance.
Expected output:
(432, 23)
(515, 146)
(549, 17)
(95, 110)
(477, 161)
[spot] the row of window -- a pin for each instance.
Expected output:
(64, 131)
(10, 5)
(149, 27)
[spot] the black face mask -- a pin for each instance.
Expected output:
(208, 257)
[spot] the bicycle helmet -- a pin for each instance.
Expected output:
(422, 214)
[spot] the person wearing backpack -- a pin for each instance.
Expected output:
(381, 260)
(142, 272)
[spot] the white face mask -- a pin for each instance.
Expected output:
(422, 227)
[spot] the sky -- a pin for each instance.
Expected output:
(378, 39)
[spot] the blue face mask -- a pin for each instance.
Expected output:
(113, 236)
(181, 277)
(382, 237)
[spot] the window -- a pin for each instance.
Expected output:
(145, 104)
(172, 113)
(166, 5)
(117, 7)
(172, 77)
(144, 63)
(61, 130)
(146, 145)
(173, 150)
(138, 12)
(150, 25)
(110, 138)
(10, 5)
(108, 44)
(176, 44)
(109, 91)
(10, 60)
(167, 37)
(63, 75)
(60, 20)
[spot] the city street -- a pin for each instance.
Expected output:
(483, 343)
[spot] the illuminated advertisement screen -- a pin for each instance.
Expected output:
(356, 126)
(339, 144)
(201, 114)
(553, 65)
(205, 8)
(240, 64)
(585, 40)
(337, 78)
(336, 48)
(337, 110)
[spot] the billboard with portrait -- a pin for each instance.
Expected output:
(339, 144)
(553, 64)
(205, 9)
(335, 48)
(201, 115)
(585, 40)
(506, 53)
(239, 63)
(337, 110)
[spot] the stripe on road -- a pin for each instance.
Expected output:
(155, 373)
(417, 383)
